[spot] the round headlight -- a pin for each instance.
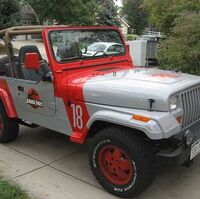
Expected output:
(173, 103)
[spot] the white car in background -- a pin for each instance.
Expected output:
(154, 38)
(148, 37)
(103, 48)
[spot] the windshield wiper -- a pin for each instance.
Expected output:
(70, 58)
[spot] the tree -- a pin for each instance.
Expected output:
(72, 12)
(136, 15)
(9, 13)
(181, 50)
(107, 13)
(164, 12)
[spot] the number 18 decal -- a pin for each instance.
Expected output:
(77, 116)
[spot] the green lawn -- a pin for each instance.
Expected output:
(11, 191)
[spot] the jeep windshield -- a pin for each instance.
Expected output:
(68, 45)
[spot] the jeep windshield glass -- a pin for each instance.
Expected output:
(70, 45)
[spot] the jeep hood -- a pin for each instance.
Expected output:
(133, 88)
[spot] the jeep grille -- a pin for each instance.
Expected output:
(191, 106)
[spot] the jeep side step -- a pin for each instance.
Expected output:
(27, 123)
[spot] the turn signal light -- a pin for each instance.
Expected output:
(179, 119)
(141, 118)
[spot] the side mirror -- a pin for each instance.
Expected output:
(48, 77)
(32, 61)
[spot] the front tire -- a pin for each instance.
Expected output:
(9, 127)
(123, 163)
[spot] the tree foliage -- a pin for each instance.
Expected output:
(182, 48)
(77, 12)
(164, 12)
(136, 14)
(107, 13)
(9, 13)
(72, 12)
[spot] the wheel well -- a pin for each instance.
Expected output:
(99, 125)
(2, 103)
(11, 112)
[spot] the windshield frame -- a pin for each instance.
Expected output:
(116, 29)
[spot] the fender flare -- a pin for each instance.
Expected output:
(8, 103)
(151, 129)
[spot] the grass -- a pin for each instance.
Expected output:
(9, 190)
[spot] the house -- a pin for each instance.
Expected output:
(124, 26)
(29, 16)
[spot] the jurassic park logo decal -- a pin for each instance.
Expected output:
(34, 99)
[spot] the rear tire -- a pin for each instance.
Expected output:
(9, 127)
(124, 163)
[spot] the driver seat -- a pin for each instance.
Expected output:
(31, 75)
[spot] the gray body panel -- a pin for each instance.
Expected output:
(155, 129)
(51, 115)
(133, 88)
(116, 97)
(44, 89)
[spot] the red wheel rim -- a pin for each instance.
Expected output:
(1, 126)
(115, 165)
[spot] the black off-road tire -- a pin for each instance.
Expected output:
(139, 151)
(10, 128)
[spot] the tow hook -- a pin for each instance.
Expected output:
(188, 163)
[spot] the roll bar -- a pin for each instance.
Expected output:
(19, 30)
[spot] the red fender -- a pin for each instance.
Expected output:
(7, 99)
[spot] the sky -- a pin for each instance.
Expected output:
(118, 2)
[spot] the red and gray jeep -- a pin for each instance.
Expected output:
(85, 86)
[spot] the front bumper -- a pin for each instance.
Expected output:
(179, 153)
(175, 157)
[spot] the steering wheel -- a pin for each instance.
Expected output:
(80, 52)
(99, 52)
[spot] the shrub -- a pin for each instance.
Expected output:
(131, 37)
(181, 50)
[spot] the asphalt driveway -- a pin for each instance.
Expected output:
(48, 166)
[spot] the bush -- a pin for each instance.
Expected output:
(181, 50)
(131, 37)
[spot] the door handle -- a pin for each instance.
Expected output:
(21, 88)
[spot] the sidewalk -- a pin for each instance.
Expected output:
(48, 166)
